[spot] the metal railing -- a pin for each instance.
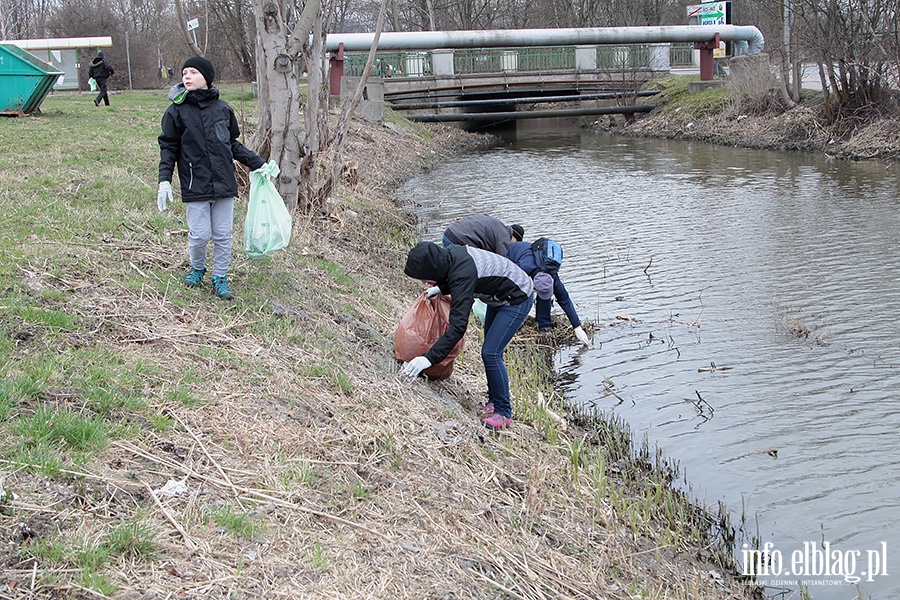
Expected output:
(496, 60)
(525, 59)
(681, 55)
(632, 56)
(389, 64)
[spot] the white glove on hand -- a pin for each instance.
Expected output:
(164, 193)
(582, 336)
(432, 292)
(415, 366)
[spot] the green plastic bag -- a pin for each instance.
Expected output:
(479, 308)
(267, 227)
(93, 83)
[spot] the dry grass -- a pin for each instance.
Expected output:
(750, 113)
(312, 470)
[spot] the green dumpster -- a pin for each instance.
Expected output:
(25, 80)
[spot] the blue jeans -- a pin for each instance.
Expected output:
(446, 242)
(500, 325)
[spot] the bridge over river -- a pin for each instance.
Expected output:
(490, 75)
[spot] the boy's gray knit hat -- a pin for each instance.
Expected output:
(204, 66)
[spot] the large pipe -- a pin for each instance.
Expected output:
(508, 38)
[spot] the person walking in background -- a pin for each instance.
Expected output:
(464, 273)
(199, 134)
(546, 286)
(484, 232)
(101, 71)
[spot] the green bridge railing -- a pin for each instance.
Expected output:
(499, 60)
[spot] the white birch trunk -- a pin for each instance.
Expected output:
(279, 98)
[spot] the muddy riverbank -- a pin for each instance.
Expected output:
(731, 116)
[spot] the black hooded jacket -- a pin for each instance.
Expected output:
(465, 273)
(199, 132)
(100, 69)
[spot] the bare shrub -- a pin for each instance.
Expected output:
(752, 85)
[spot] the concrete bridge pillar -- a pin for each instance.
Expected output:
(585, 58)
(659, 57)
(442, 62)
(509, 60)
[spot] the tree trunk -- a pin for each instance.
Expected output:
(279, 135)
(184, 30)
(316, 127)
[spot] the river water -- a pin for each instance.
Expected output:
(782, 271)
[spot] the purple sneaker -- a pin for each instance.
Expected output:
(486, 410)
(497, 422)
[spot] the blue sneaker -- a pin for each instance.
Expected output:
(220, 287)
(194, 278)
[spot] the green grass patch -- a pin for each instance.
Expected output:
(135, 540)
(64, 429)
(391, 116)
(675, 96)
(236, 523)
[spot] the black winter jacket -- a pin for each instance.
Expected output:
(199, 132)
(466, 273)
(100, 69)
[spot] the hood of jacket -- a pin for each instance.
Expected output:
(178, 94)
(428, 261)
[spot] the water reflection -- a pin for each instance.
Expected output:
(782, 267)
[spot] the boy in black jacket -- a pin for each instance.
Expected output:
(101, 71)
(199, 133)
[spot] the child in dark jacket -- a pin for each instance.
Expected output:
(199, 134)
(100, 70)
(546, 286)
(465, 273)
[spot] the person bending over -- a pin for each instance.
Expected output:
(465, 273)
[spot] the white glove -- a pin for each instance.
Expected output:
(415, 366)
(432, 292)
(582, 336)
(164, 193)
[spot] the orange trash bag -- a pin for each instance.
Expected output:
(422, 325)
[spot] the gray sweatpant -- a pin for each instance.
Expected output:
(210, 220)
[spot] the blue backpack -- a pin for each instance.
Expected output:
(548, 254)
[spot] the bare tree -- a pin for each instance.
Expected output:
(336, 143)
(182, 24)
(236, 20)
(852, 43)
(283, 49)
